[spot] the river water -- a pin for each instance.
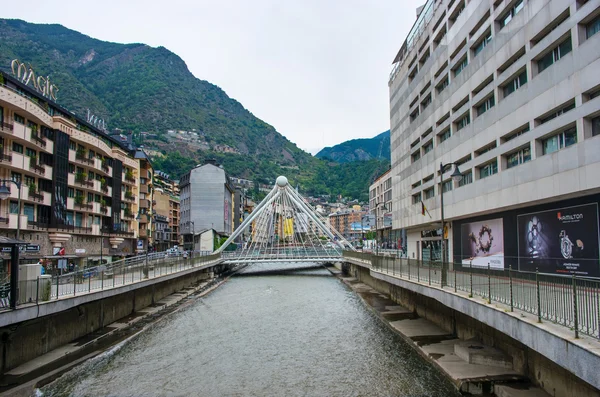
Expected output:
(300, 334)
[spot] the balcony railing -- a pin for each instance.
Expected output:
(105, 168)
(5, 157)
(4, 220)
(87, 206)
(104, 209)
(83, 181)
(6, 127)
(81, 158)
(38, 169)
(104, 188)
(38, 140)
(36, 196)
(129, 196)
(37, 224)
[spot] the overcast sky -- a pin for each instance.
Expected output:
(316, 70)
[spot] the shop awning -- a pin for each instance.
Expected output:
(62, 256)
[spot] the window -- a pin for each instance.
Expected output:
(17, 148)
(428, 178)
(15, 176)
(486, 105)
(488, 169)
(71, 168)
(559, 141)
(97, 198)
(466, 179)
(445, 135)
(29, 180)
(515, 83)
(442, 85)
(461, 65)
(29, 210)
(415, 156)
(426, 102)
(90, 197)
(414, 114)
(447, 186)
(554, 55)
(520, 157)
(78, 219)
(70, 192)
(19, 119)
(30, 152)
(416, 198)
(428, 147)
(14, 207)
(510, 14)
(593, 27)
(559, 112)
(72, 145)
(516, 134)
(429, 193)
(463, 122)
(482, 43)
(596, 126)
(416, 184)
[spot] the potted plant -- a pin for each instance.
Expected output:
(129, 174)
(79, 199)
(32, 187)
(80, 152)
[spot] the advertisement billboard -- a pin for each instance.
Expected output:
(483, 244)
(560, 241)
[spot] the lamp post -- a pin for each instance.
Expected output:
(14, 260)
(377, 224)
(193, 234)
(456, 176)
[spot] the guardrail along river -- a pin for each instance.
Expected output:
(301, 334)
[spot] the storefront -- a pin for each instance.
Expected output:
(557, 238)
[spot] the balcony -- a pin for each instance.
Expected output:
(144, 203)
(37, 139)
(81, 179)
(5, 157)
(80, 203)
(37, 168)
(35, 196)
(39, 224)
(81, 157)
(4, 220)
(6, 127)
(129, 196)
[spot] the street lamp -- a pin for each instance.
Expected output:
(456, 177)
(376, 224)
(14, 262)
(193, 234)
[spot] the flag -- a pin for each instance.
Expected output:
(424, 209)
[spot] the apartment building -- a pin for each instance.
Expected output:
(380, 206)
(348, 222)
(72, 180)
(166, 220)
(207, 202)
(509, 92)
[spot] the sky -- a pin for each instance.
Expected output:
(316, 70)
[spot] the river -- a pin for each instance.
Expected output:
(300, 334)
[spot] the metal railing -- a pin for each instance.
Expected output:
(571, 301)
(92, 279)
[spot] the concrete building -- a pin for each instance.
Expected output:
(146, 202)
(380, 205)
(509, 91)
(77, 184)
(167, 207)
(207, 201)
(345, 221)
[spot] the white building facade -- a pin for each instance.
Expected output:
(509, 91)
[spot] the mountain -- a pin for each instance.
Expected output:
(151, 92)
(359, 149)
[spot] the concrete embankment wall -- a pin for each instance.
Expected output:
(545, 373)
(25, 340)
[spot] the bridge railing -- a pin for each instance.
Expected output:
(97, 278)
(281, 253)
(570, 301)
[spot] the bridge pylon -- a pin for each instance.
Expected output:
(285, 228)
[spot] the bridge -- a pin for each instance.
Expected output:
(284, 228)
